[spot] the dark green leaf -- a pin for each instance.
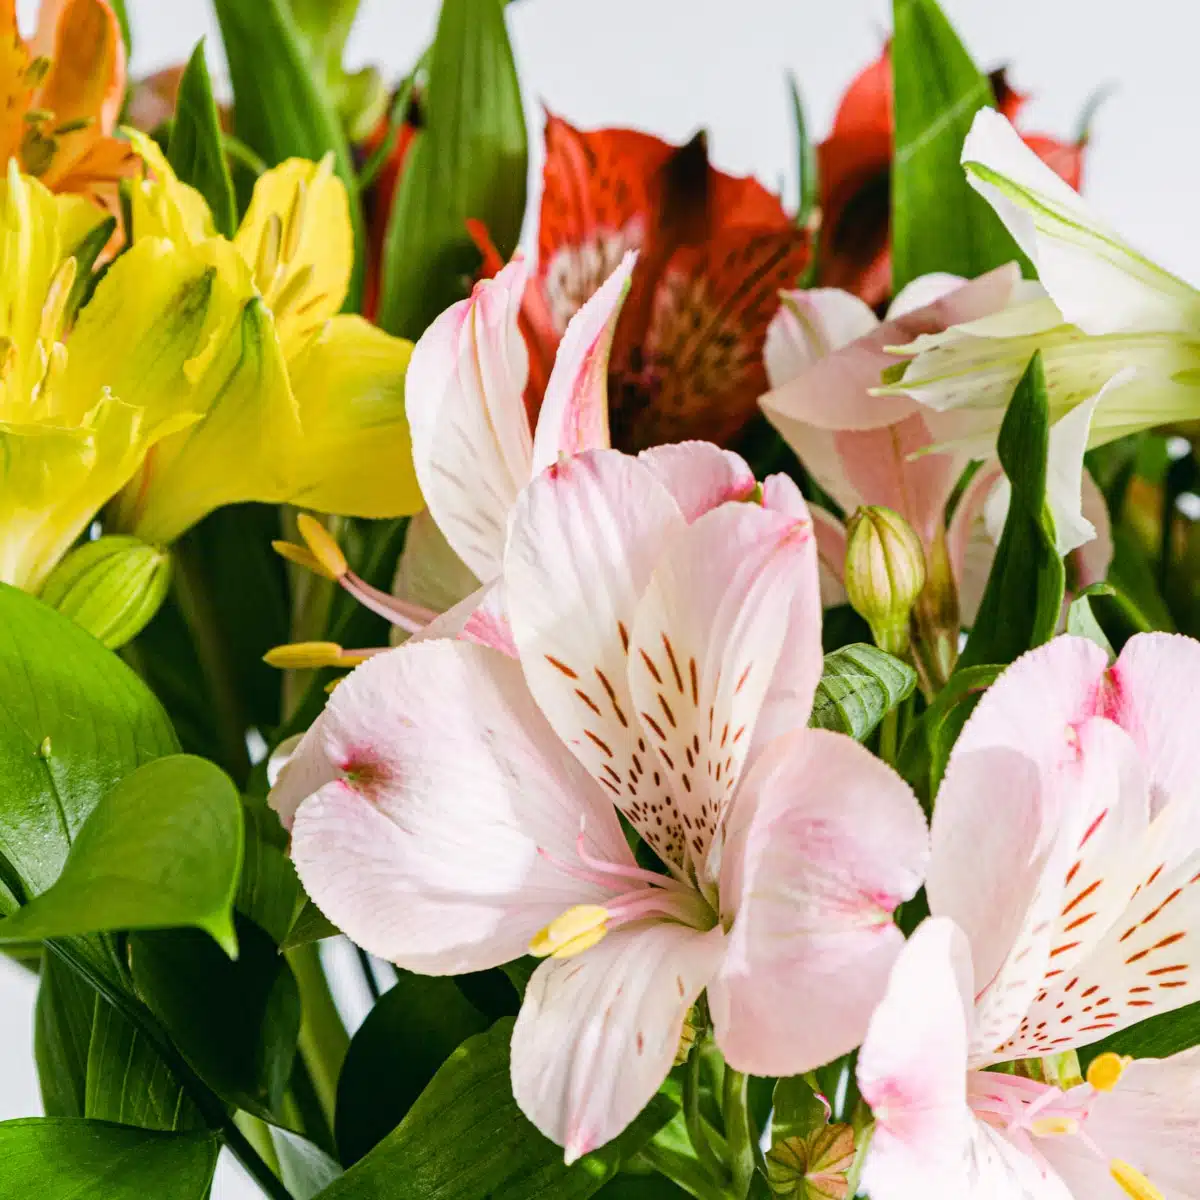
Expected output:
(468, 162)
(310, 925)
(61, 1033)
(163, 848)
(859, 685)
(269, 892)
(1132, 574)
(235, 1022)
(128, 1081)
(306, 1169)
(413, 1028)
(641, 1187)
(195, 149)
(465, 1139)
(1023, 598)
(62, 1159)
(938, 222)
(282, 107)
(798, 1110)
(1159, 1037)
(73, 721)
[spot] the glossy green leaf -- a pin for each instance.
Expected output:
(797, 1110)
(195, 150)
(62, 1031)
(73, 721)
(53, 1158)
(641, 1187)
(311, 925)
(282, 107)
(128, 1081)
(413, 1028)
(306, 1169)
(1023, 598)
(235, 1022)
(469, 161)
(1159, 1037)
(859, 685)
(465, 1139)
(938, 222)
(269, 892)
(162, 849)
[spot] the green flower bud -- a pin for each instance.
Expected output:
(112, 587)
(885, 572)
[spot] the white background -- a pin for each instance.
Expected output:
(672, 66)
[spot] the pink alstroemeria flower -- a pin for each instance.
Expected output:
(455, 807)
(825, 355)
(1064, 883)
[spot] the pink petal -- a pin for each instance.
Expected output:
(1092, 560)
(598, 1033)
(426, 850)
(303, 768)
(831, 555)
(464, 396)
(922, 292)
(809, 325)
(820, 450)
(479, 618)
(574, 414)
(823, 842)
(969, 543)
(912, 1071)
(586, 537)
(699, 475)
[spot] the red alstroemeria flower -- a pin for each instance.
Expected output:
(855, 164)
(713, 253)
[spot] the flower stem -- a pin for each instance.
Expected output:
(889, 732)
(694, 1120)
(323, 1036)
(739, 1132)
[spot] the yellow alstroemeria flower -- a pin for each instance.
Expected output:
(307, 405)
(84, 396)
(62, 92)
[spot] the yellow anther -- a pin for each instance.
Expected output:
(292, 290)
(301, 557)
(269, 244)
(324, 549)
(37, 71)
(35, 116)
(295, 222)
(1054, 1126)
(577, 930)
(1132, 1182)
(308, 656)
(1106, 1070)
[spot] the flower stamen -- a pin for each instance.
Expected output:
(1132, 1182)
(1106, 1070)
(576, 930)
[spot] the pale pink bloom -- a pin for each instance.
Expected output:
(825, 355)
(1064, 883)
(454, 806)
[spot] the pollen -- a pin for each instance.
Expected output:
(324, 549)
(308, 656)
(1054, 1126)
(1106, 1070)
(577, 930)
(1132, 1182)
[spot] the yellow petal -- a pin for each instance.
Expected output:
(355, 457)
(163, 207)
(297, 239)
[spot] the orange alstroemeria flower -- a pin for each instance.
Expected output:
(62, 93)
(855, 164)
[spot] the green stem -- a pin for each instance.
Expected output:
(323, 1036)
(889, 732)
(684, 1171)
(191, 591)
(258, 1134)
(694, 1120)
(739, 1133)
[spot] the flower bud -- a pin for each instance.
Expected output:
(885, 572)
(112, 587)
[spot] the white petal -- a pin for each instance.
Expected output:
(699, 475)
(598, 1033)
(429, 573)
(923, 291)
(427, 849)
(298, 767)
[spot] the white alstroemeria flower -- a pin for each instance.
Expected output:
(1120, 336)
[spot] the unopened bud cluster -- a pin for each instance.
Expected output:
(885, 572)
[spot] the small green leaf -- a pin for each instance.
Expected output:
(163, 848)
(469, 161)
(806, 157)
(415, 1026)
(1022, 601)
(797, 1110)
(938, 222)
(61, 1033)
(310, 925)
(1081, 621)
(195, 150)
(74, 719)
(306, 1169)
(465, 1139)
(56, 1158)
(1159, 1037)
(236, 1022)
(859, 685)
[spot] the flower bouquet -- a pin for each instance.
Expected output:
(716, 688)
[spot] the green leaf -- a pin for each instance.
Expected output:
(163, 848)
(62, 1031)
(465, 1139)
(413, 1028)
(235, 1022)
(797, 1110)
(306, 1169)
(73, 721)
(1159, 1037)
(269, 892)
(118, 6)
(1081, 621)
(310, 925)
(859, 685)
(469, 161)
(54, 1158)
(1023, 598)
(282, 108)
(195, 149)
(641, 1187)
(938, 221)
(806, 157)
(1133, 576)
(128, 1081)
